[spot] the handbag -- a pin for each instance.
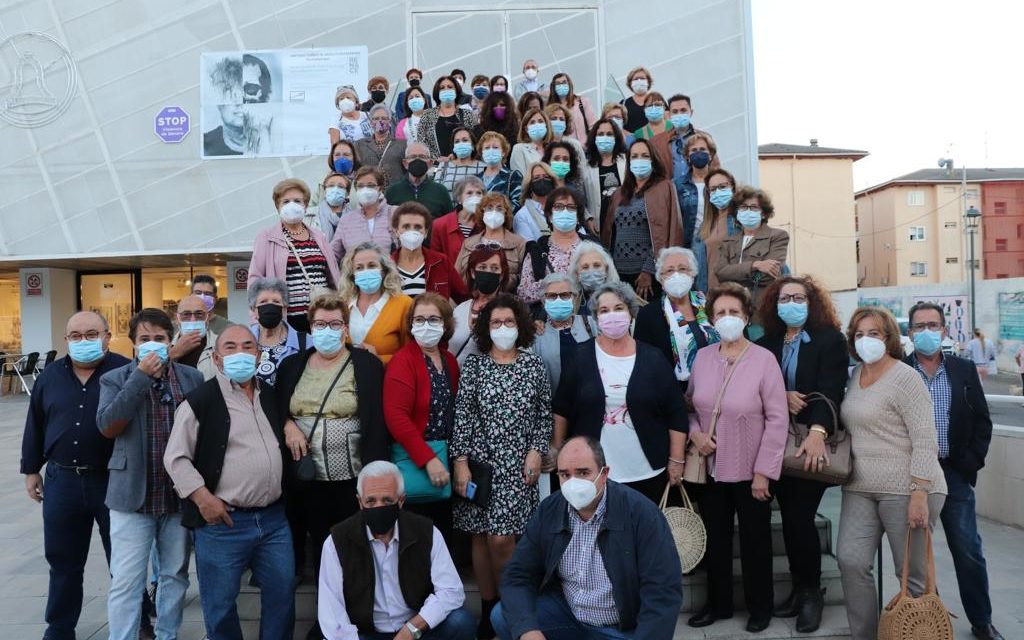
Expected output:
(696, 468)
(839, 447)
(481, 473)
(687, 528)
(305, 468)
(418, 487)
(910, 618)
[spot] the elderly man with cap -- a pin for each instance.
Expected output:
(193, 344)
(226, 459)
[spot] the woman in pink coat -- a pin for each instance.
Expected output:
(293, 252)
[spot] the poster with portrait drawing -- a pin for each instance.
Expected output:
(272, 103)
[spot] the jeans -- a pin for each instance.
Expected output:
(960, 524)
(459, 625)
(557, 622)
(131, 538)
(257, 539)
(798, 502)
(73, 502)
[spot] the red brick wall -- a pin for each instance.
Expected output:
(1002, 209)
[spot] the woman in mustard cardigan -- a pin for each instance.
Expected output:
(372, 288)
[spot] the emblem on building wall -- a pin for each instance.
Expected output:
(38, 79)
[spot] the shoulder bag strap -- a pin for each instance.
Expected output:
(302, 267)
(320, 413)
(384, 152)
(721, 392)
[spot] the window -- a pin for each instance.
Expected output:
(1000, 244)
(1020, 231)
(952, 260)
(950, 225)
(915, 198)
(949, 189)
(1000, 276)
(917, 234)
(999, 208)
(918, 268)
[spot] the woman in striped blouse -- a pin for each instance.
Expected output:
(419, 268)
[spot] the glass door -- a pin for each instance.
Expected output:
(115, 296)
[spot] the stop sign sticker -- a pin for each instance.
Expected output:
(172, 124)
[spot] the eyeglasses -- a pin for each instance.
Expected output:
(192, 315)
(558, 208)
(320, 325)
(433, 321)
(721, 187)
(931, 326)
(510, 323)
(747, 207)
(796, 297)
(564, 295)
(671, 271)
(75, 336)
(165, 394)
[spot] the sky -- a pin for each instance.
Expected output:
(909, 81)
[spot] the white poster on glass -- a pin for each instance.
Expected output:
(272, 103)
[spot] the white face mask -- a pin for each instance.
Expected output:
(427, 336)
(730, 328)
(494, 219)
(678, 284)
(531, 74)
(348, 105)
(470, 203)
(579, 492)
(411, 240)
(639, 85)
(504, 337)
(367, 195)
(292, 212)
(869, 349)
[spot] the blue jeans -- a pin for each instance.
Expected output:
(459, 625)
(257, 539)
(131, 539)
(73, 502)
(959, 521)
(557, 622)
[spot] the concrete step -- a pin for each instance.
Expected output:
(823, 524)
(695, 584)
(833, 627)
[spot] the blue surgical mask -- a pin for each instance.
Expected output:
(240, 367)
(194, 326)
(641, 167)
(605, 144)
(561, 90)
(721, 198)
(480, 92)
(927, 342)
(146, 348)
(561, 168)
(417, 103)
(335, 196)
(749, 219)
(86, 351)
(654, 112)
(794, 314)
(327, 340)
(680, 120)
(564, 220)
(369, 280)
(446, 96)
(462, 149)
(492, 156)
(343, 165)
(537, 131)
(558, 127)
(558, 309)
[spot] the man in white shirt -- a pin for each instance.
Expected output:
(386, 573)
(530, 81)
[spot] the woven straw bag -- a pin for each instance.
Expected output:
(910, 618)
(687, 530)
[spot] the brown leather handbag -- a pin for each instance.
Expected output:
(838, 446)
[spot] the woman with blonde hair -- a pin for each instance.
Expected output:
(377, 308)
(982, 352)
(534, 134)
(719, 218)
(493, 149)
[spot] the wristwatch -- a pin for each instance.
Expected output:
(414, 630)
(917, 487)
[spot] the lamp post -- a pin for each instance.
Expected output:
(971, 219)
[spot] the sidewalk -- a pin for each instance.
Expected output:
(23, 569)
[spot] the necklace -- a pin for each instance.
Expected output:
(295, 234)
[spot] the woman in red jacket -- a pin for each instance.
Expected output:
(421, 269)
(420, 384)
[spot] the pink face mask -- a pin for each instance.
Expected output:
(208, 301)
(614, 324)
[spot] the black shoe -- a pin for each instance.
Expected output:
(988, 632)
(812, 602)
(706, 617)
(758, 623)
(788, 607)
(146, 629)
(484, 629)
(314, 632)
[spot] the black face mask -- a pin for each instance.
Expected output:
(418, 168)
(542, 187)
(380, 520)
(269, 315)
(378, 96)
(486, 282)
(414, 82)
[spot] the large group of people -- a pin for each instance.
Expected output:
(489, 308)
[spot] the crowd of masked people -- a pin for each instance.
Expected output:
(503, 325)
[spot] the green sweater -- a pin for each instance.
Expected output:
(430, 194)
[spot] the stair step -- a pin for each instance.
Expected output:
(821, 523)
(834, 626)
(695, 584)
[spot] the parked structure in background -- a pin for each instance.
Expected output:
(812, 189)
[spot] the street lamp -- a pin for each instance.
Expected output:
(971, 219)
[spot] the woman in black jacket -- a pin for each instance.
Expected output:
(802, 330)
(623, 393)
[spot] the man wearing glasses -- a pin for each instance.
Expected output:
(60, 431)
(136, 410)
(418, 185)
(193, 345)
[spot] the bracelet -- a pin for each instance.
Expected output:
(671, 459)
(821, 430)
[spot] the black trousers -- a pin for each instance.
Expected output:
(322, 505)
(439, 512)
(719, 503)
(654, 488)
(798, 502)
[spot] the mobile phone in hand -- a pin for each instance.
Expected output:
(470, 490)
